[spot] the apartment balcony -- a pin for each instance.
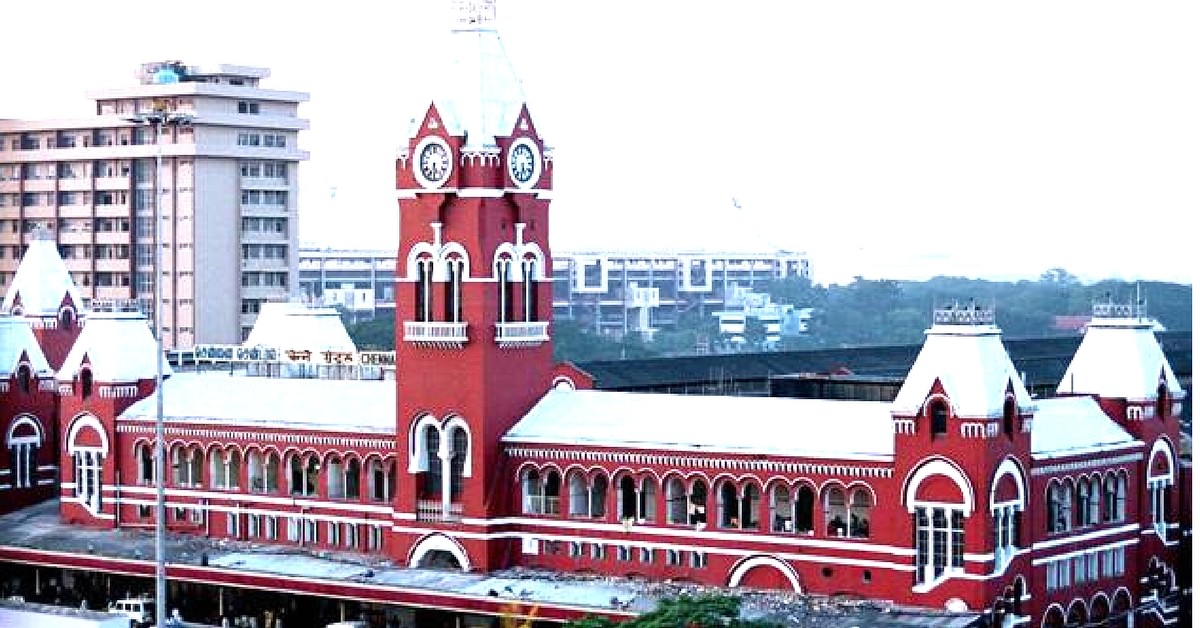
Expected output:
(112, 265)
(265, 183)
(517, 335)
(40, 185)
(112, 183)
(35, 212)
(112, 237)
(75, 237)
(75, 185)
(10, 185)
(113, 210)
(439, 335)
(431, 510)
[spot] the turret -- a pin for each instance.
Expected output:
(112, 365)
(44, 294)
(27, 417)
(962, 422)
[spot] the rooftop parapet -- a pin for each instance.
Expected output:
(970, 314)
(114, 305)
(1108, 309)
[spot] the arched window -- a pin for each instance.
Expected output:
(782, 509)
(85, 383)
(627, 498)
(271, 473)
(647, 501)
(312, 475)
(254, 469)
(455, 268)
(196, 466)
(504, 310)
(552, 492)
(1010, 415)
(598, 496)
(296, 474)
(66, 318)
(24, 378)
(727, 505)
(432, 486)
(423, 287)
(352, 475)
(458, 459)
(577, 488)
(383, 479)
(1053, 507)
(751, 498)
(1119, 507)
(698, 503)
(530, 272)
(806, 498)
(24, 439)
(835, 512)
(1066, 496)
(677, 501)
(145, 456)
(335, 478)
(1163, 402)
(531, 497)
(1081, 503)
(1094, 500)
(860, 514)
(938, 417)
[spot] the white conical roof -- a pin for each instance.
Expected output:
(963, 351)
(295, 326)
(119, 346)
(41, 282)
(477, 91)
(1119, 358)
(16, 338)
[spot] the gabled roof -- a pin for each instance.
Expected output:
(1119, 358)
(1072, 426)
(827, 429)
(16, 340)
(119, 347)
(297, 326)
(478, 93)
(973, 367)
(360, 406)
(42, 282)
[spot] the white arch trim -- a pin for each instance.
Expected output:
(418, 250)
(930, 468)
(461, 423)
(438, 542)
(562, 382)
(24, 419)
(80, 422)
(416, 442)
(743, 567)
(1008, 467)
(1163, 446)
(1052, 606)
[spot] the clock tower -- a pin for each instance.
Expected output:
(473, 298)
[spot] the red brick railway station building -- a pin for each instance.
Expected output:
(963, 493)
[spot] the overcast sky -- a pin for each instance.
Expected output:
(886, 139)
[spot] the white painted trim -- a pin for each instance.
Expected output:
(1037, 562)
(688, 531)
(439, 541)
(24, 419)
(1164, 446)
(79, 422)
(1086, 451)
(1080, 465)
(740, 569)
(279, 514)
(1008, 467)
(46, 482)
(1090, 536)
(255, 498)
(938, 466)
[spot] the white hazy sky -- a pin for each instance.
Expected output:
(886, 139)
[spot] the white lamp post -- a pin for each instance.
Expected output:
(156, 119)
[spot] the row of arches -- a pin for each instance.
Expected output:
(1085, 501)
(266, 471)
(516, 270)
(785, 507)
(1101, 610)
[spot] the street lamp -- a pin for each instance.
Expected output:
(160, 116)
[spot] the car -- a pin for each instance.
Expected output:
(140, 611)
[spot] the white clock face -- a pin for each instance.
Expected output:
(524, 165)
(433, 162)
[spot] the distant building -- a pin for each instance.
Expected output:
(615, 293)
(230, 181)
(747, 307)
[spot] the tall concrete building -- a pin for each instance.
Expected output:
(228, 196)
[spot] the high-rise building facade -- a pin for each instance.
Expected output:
(228, 196)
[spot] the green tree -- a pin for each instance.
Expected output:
(702, 611)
